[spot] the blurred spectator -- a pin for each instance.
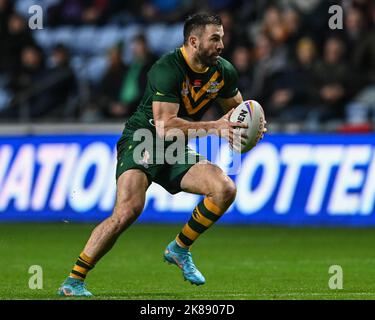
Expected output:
(313, 12)
(6, 9)
(364, 58)
(26, 84)
(233, 34)
(63, 84)
(111, 84)
(268, 61)
(217, 5)
(166, 10)
(306, 7)
(355, 23)
(241, 60)
(273, 26)
(229, 38)
(291, 91)
(294, 29)
(18, 36)
(126, 12)
(135, 78)
(77, 12)
(5, 12)
(40, 92)
(332, 81)
(364, 6)
(354, 30)
(65, 12)
(122, 87)
(274, 46)
(363, 105)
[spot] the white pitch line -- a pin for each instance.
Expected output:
(270, 295)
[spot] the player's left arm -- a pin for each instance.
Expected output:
(227, 104)
(229, 96)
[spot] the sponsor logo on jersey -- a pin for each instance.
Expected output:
(197, 83)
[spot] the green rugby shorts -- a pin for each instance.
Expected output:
(152, 161)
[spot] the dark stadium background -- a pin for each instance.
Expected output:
(81, 76)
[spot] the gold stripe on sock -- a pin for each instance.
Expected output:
(80, 269)
(212, 207)
(202, 219)
(189, 232)
(87, 259)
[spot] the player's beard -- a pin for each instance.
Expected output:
(206, 57)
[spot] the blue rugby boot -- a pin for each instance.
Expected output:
(182, 258)
(72, 287)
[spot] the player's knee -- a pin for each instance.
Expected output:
(125, 215)
(227, 190)
(230, 191)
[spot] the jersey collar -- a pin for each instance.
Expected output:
(184, 54)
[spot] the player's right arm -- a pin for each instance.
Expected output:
(164, 82)
(168, 124)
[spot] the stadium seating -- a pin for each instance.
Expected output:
(90, 44)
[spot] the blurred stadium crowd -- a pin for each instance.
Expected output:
(89, 63)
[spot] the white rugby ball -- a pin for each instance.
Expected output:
(250, 112)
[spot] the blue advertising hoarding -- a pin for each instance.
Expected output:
(286, 179)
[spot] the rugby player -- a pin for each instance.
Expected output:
(181, 86)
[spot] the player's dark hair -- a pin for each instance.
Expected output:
(199, 21)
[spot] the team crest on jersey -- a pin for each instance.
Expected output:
(194, 100)
(213, 87)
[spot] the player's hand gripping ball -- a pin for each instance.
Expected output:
(251, 113)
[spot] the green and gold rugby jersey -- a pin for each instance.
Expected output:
(172, 79)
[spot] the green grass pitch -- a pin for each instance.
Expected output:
(239, 262)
